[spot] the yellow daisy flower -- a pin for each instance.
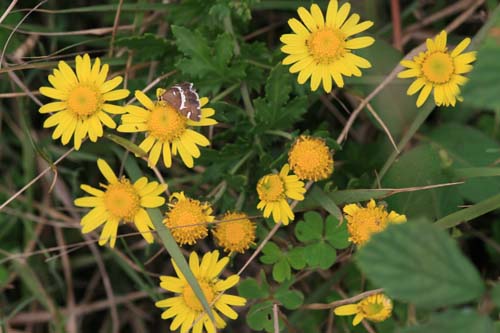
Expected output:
(186, 309)
(167, 130)
(274, 189)
(310, 158)
(120, 201)
(83, 98)
(376, 308)
(235, 232)
(188, 219)
(321, 47)
(363, 222)
(439, 70)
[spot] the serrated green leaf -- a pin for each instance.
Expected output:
(419, 263)
(251, 289)
(456, 321)
(260, 316)
(278, 87)
(224, 45)
(296, 258)
(336, 233)
(311, 228)
(271, 253)
(194, 45)
(146, 46)
(291, 299)
(282, 270)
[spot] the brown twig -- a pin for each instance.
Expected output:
(24, 318)
(115, 27)
(8, 10)
(333, 305)
(396, 25)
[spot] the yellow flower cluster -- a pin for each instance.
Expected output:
(322, 49)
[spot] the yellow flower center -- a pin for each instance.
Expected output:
(237, 234)
(271, 188)
(365, 222)
(438, 67)
(187, 220)
(166, 123)
(122, 200)
(310, 158)
(376, 307)
(84, 101)
(326, 45)
(192, 300)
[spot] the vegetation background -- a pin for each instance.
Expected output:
(444, 171)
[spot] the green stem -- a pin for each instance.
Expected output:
(245, 94)
(225, 92)
(283, 134)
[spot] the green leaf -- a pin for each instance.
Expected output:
(395, 108)
(251, 289)
(320, 255)
(456, 321)
(421, 166)
(276, 111)
(204, 61)
(466, 147)
(282, 270)
(336, 233)
(291, 299)
(469, 213)
(477, 172)
(127, 144)
(495, 294)
(278, 89)
(419, 263)
(146, 46)
(271, 253)
(174, 251)
(310, 228)
(480, 91)
(260, 316)
(296, 258)
(317, 194)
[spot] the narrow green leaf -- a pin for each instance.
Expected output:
(456, 321)
(419, 263)
(37, 289)
(173, 249)
(469, 213)
(318, 195)
(495, 294)
(477, 172)
(127, 144)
